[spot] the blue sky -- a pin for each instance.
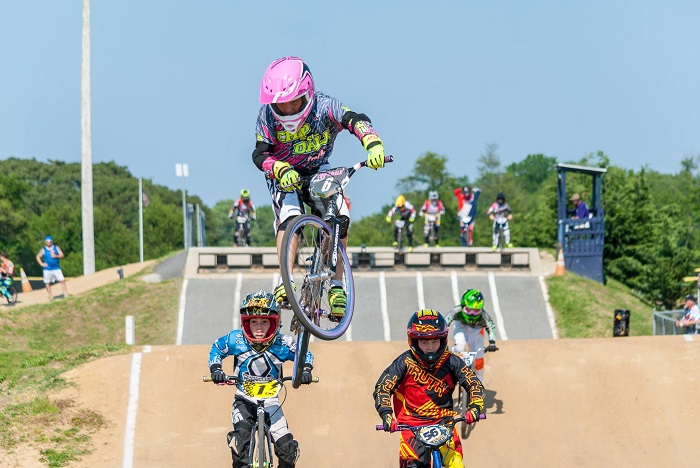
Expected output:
(177, 82)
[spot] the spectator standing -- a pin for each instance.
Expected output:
(48, 257)
(692, 315)
(581, 210)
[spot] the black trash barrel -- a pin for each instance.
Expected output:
(621, 325)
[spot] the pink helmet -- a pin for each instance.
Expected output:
(285, 80)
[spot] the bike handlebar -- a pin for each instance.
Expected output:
(408, 427)
(357, 166)
(232, 380)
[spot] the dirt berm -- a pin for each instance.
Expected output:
(622, 402)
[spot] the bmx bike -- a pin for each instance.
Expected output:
(310, 255)
(434, 436)
(463, 397)
(260, 389)
(239, 236)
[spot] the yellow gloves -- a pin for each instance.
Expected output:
(288, 178)
(375, 151)
(388, 219)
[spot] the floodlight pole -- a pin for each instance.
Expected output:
(182, 171)
(86, 148)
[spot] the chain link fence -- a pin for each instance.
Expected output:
(665, 322)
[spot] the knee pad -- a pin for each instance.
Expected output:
(479, 364)
(239, 438)
(344, 225)
(287, 450)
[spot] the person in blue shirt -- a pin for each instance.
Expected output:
(258, 350)
(581, 210)
(48, 257)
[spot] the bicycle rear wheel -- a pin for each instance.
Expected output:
(300, 355)
(310, 270)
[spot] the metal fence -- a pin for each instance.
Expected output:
(665, 322)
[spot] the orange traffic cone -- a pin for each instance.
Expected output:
(26, 285)
(561, 268)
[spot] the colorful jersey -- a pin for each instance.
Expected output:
(8, 268)
(466, 208)
(406, 212)
(500, 212)
(422, 397)
(312, 145)
(485, 321)
(242, 208)
(248, 361)
(51, 262)
(433, 208)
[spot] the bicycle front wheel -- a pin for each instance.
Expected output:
(463, 406)
(305, 264)
(259, 453)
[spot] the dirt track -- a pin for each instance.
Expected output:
(607, 402)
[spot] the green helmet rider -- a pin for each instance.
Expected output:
(472, 304)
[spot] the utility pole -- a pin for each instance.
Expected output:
(86, 148)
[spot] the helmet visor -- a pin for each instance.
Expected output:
(471, 312)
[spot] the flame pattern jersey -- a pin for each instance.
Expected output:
(421, 396)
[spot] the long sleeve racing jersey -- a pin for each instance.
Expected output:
(423, 397)
(311, 146)
(247, 362)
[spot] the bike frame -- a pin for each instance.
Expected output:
(260, 434)
(424, 433)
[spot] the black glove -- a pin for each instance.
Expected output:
(388, 422)
(217, 374)
(491, 347)
(306, 376)
(472, 415)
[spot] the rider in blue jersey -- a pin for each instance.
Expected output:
(295, 132)
(258, 350)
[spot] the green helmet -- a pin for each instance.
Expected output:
(245, 194)
(472, 304)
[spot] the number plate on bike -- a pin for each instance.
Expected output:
(261, 390)
(327, 183)
(434, 435)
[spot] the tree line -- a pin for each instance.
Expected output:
(651, 232)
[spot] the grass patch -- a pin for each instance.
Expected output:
(584, 308)
(40, 343)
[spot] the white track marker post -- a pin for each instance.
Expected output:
(129, 326)
(181, 312)
(237, 302)
(130, 431)
(455, 287)
(383, 304)
(348, 333)
(497, 307)
(419, 289)
(548, 308)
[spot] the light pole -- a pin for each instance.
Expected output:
(182, 171)
(86, 149)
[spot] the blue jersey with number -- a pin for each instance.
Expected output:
(248, 361)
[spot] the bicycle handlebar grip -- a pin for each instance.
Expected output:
(380, 427)
(206, 378)
(388, 158)
(482, 416)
